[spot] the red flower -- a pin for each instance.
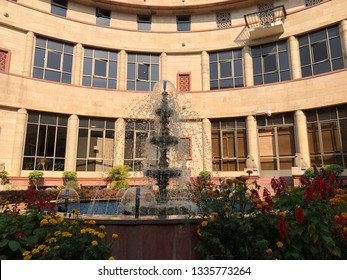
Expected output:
(267, 197)
(299, 215)
(282, 227)
(19, 234)
(279, 186)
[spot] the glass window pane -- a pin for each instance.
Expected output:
(66, 78)
(99, 82)
(335, 47)
(100, 68)
(155, 72)
(225, 69)
(53, 60)
(306, 71)
(54, 45)
(52, 75)
(213, 57)
(112, 71)
(283, 60)
(131, 71)
(270, 63)
(39, 57)
(271, 78)
(319, 51)
(142, 71)
(112, 84)
(143, 86)
(226, 83)
(305, 57)
(257, 69)
(67, 64)
(322, 67)
(226, 55)
(144, 58)
(38, 73)
(213, 71)
(86, 81)
(318, 36)
(213, 85)
(100, 54)
(238, 68)
(87, 66)
(337, 64)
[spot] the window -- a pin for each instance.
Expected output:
(309, 3)
(183, 23)
(270, 63)
(143, 71)
(99, 68)
(53, 60)
(138, 153)
(327, 130)
(183, 82)
(103, 17)
(4, 60)
(45, 142)
(95, 147)
(226, 69)
(276, 141)
(144, 22)
(321, 51)
(59, 7)
(229, 146)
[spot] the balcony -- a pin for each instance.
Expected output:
(266, 23)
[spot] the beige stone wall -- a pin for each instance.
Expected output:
(7, 132)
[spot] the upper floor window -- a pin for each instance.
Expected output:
(309, 3)
(103, 17)
(59, 7)
(143, 71)
(53, 60)
(144, 22)
(229, 145)
(95, 147)
(45, 142)
(320, 51)
(270, 63)
(4, 60)
(226, 69)
(183, 23)
(327, 130)
(100, 68)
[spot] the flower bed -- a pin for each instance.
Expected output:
(305, 222)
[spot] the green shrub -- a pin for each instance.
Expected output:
(70, 179)
(119, 176)
(35, 178)
(3, 177)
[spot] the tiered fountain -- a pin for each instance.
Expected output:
(163, 140)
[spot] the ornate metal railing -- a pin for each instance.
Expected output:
(266, 18)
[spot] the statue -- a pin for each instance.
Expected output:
(250, 163)
(299, 161)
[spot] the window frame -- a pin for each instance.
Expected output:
(144, 22)
(6, 61)
(104, 17)
(61, 5)
(183, 23)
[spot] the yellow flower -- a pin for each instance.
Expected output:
(198, 231)
(43, 222)
(92, 222)
(57, 233)
(282, 214)
(101, 235)
(214, 214)
(28, 257)
(35, 251)
(66, 234)
(41, 247)
(279, 244)
(25, 253)
(344, 215)
(264, 204)
(212, 219)
(269, 251)
(102, 227)
(114, 235)
(204, 223)
(56, 247)
(95, 243)
(256, 200)
(52, 240)
(83, 231)
(111, 258)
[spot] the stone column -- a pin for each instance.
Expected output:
(343, 32)
(207, 145)
(119, 142)
(163, 66)
(28, 55)
(302, 136)
(71, 143)
(122, 56)
(248, 66)
(205, 71)
(294, 55)
(252, 139)
(19, 142)
(77, 64)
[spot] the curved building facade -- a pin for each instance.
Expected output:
(261, 84)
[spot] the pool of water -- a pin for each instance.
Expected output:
(96, 207)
